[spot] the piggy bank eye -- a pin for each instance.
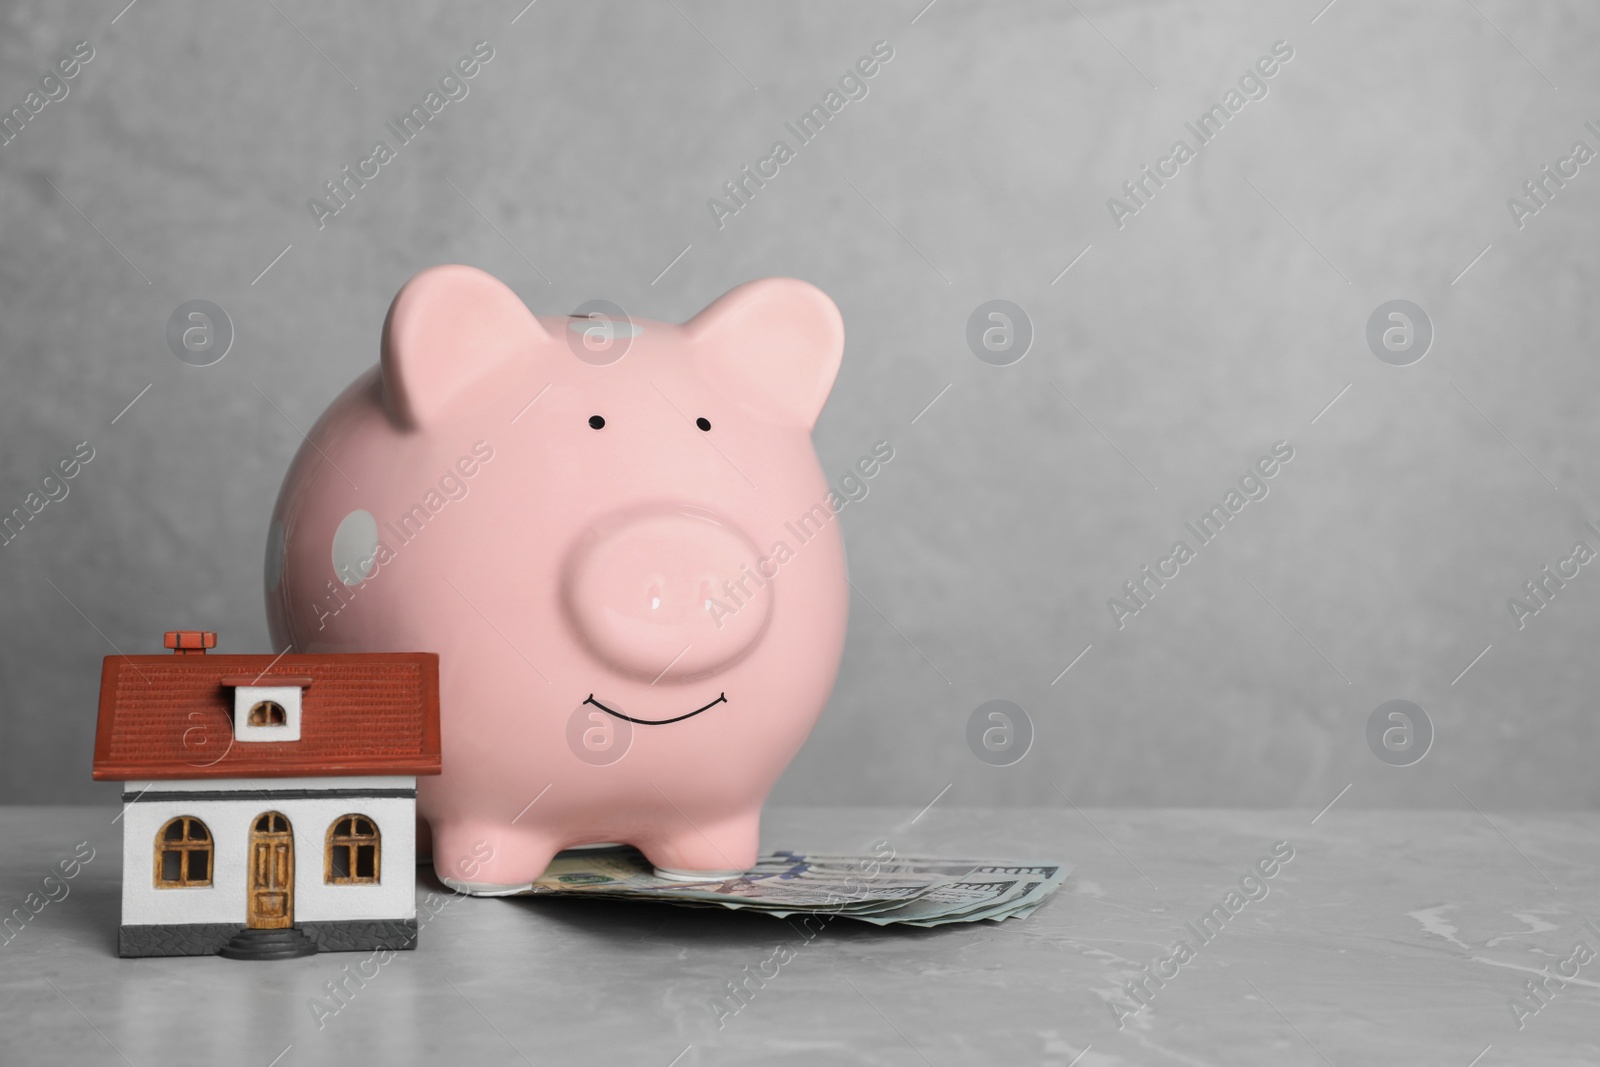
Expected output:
(596, 421)
(703, 423)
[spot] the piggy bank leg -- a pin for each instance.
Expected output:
(489, 860)
(706, 849)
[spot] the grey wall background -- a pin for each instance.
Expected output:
(1223, 317)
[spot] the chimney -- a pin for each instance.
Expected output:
(190, 642)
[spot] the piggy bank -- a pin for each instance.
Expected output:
(617, 537)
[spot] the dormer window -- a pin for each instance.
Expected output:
(266, 707)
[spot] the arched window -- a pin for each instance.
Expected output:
(272, 823)
(354, 845)
(268, 713)
(183, 854)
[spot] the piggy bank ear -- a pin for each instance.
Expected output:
(774, 345)
(449, 329)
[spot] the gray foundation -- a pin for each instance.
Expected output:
(205, 939)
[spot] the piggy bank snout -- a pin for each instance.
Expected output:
(666, 594)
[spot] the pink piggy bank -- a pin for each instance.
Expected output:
(629, 567)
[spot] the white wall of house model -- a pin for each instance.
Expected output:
(230, 822)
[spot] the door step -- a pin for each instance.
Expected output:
(283, 944)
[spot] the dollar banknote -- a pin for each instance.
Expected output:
(881, 888)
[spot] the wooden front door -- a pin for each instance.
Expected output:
(271, 885)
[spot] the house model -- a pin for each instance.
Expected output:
(269, 802)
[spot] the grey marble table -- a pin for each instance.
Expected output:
(1389, 937)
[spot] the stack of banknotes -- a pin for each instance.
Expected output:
(881, 888)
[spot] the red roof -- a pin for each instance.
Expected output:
(171, 716)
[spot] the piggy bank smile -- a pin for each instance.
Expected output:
(722, 698)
